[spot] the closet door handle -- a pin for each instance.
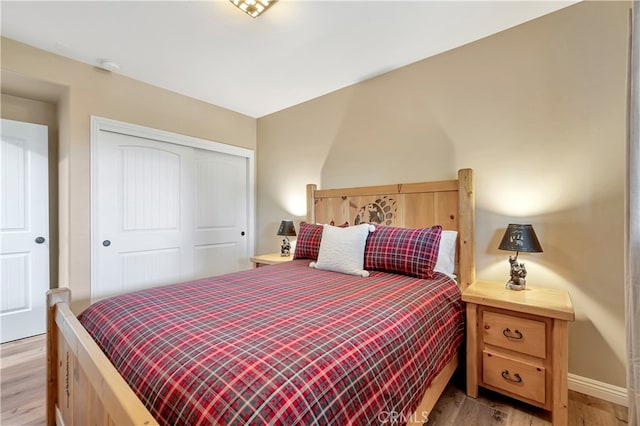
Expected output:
(106, 243)
(40, 240)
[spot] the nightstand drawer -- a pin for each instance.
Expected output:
(512, 375)
(517, 334)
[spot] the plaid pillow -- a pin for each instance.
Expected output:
(308, 242)
(404, 251)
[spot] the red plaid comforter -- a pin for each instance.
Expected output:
(284, 344)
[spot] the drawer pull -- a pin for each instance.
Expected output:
(507, 376)
(515, 335)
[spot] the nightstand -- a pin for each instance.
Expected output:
(270, 259)
(517, 344)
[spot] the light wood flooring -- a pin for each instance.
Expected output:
(22, 381)
(22, 388)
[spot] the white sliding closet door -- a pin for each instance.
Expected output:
(165, 212)
(143, 214)
(221, 213)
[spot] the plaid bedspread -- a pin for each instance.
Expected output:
(283, 345)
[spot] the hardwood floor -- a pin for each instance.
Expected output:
(22, 381)
(23, 373)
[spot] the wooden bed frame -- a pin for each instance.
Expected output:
(84, 388)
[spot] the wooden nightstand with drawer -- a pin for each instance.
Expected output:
(517, 344)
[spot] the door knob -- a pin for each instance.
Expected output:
(106, 243)
(242, 233)
(40, 240)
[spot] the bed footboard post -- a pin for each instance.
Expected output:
(54, 296)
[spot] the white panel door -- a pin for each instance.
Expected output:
(144, 186)
(24, 229)
(221, 213)
(165, 213)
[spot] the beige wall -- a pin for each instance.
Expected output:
(538, 111)
(85, 91)
(45, 113)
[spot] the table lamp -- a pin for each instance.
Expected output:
(286, 229)
(519, 238)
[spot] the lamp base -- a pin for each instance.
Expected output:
(285, 248)
(513, 286)
(518, 272)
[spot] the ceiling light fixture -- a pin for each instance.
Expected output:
(253, 8)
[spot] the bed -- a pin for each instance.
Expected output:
(286, 344)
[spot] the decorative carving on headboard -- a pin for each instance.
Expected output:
(382, 211)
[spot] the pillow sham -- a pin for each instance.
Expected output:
(446, 262)
(404, 251)
(308, 241)
(342, 249)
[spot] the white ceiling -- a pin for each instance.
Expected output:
(296, 51)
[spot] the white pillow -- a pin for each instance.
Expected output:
(446, 261)
(342, 249)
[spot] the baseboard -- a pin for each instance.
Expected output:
(597, 389)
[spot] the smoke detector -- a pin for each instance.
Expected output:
(108, 65)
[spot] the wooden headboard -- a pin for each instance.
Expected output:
(449, 203)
